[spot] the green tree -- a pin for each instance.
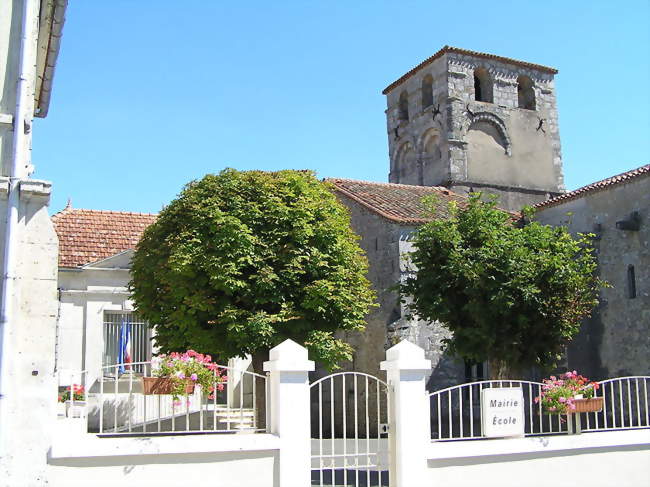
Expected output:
(240, 261)
(512, 294)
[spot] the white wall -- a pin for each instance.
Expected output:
(612, 458)
(214, 460)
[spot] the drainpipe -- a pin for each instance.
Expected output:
(17, 170)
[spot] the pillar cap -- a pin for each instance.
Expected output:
(405, 356)
(289, 357)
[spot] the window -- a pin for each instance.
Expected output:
(526, 93)
(631, 282)
(131, 330)
(482, 85)
(403, 106)
(427, 91)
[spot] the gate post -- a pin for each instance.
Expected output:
(409, 421)
(288, 402)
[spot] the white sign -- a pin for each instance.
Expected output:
(502, 412)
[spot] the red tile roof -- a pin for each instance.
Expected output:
(457, 50)
(400, 203)
(87, 236)
(597, 186)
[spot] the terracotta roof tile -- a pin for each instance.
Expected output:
(457, 50)
(87, 236)
(597, 186)
(400, 203)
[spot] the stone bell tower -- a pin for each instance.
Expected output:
(476, 122)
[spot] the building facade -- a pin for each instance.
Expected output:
(615, 340)
(30, 33)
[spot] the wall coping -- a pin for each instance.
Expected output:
(86, 445)
(444, 450)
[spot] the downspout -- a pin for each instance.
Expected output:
(16, 172)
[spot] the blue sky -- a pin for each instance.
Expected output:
(149, 95)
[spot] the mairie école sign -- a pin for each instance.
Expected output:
(502, 412)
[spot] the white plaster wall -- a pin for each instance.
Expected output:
(616, 458)
(84, 296)
(214, 460)
(31, 390)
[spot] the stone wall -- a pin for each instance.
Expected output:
(470, 145)
(384, 243)
(615, 341)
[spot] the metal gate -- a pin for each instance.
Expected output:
(349, 425)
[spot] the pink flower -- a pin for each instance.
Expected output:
(562, 399)
(194, 377)
(177, 403)
(220, 387)
(180, 374)
(536, 400)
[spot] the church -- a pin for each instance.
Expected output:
(458, 122)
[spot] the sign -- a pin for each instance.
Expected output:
(502, 412)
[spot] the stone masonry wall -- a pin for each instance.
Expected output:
(495, 147)
(615, 341)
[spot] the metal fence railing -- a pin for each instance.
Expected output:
(115, 402)
(456, 411)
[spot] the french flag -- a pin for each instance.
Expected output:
(124, 347)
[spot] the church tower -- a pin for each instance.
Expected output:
(476, 122)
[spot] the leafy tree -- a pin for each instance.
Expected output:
(512, 294)
(240, 261)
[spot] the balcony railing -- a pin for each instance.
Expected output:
(116, 404)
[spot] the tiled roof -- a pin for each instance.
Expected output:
(400, 203)
(87, 236)
(457, 50)
(597, 186)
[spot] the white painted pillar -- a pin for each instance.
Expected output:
(288, 401)
(409, 421)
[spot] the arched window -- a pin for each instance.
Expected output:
(427, 91)
(403, 106)
(482, 85)
(526, 93)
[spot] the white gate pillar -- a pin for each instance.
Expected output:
(288, 401)
(409, 422)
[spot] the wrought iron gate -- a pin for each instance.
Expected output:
(349, 424)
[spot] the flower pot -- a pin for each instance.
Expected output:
(592, 405)
(76, 409)
(163, 385)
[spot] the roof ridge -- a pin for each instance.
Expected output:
(597, 185)
(90, 211)
(445, 49)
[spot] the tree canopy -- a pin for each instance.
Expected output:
(240, 261)
(512, 294)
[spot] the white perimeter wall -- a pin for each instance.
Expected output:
(607, 459)
(244, 460)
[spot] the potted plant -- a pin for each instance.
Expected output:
(569, 393)
(179, 373)
(74, 398)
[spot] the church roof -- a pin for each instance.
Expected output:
(400, 203)
(87, 236)
(457, 50)
(607, 183)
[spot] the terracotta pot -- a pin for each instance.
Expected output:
(592, 405)
(163, 385)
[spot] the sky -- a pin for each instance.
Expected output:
(151, 94)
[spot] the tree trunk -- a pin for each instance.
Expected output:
(502, 370)
(257, 361)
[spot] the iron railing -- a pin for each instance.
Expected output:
(456, 411)
(115, 403)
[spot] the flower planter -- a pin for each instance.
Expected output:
(592, 405)
(163, 385)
